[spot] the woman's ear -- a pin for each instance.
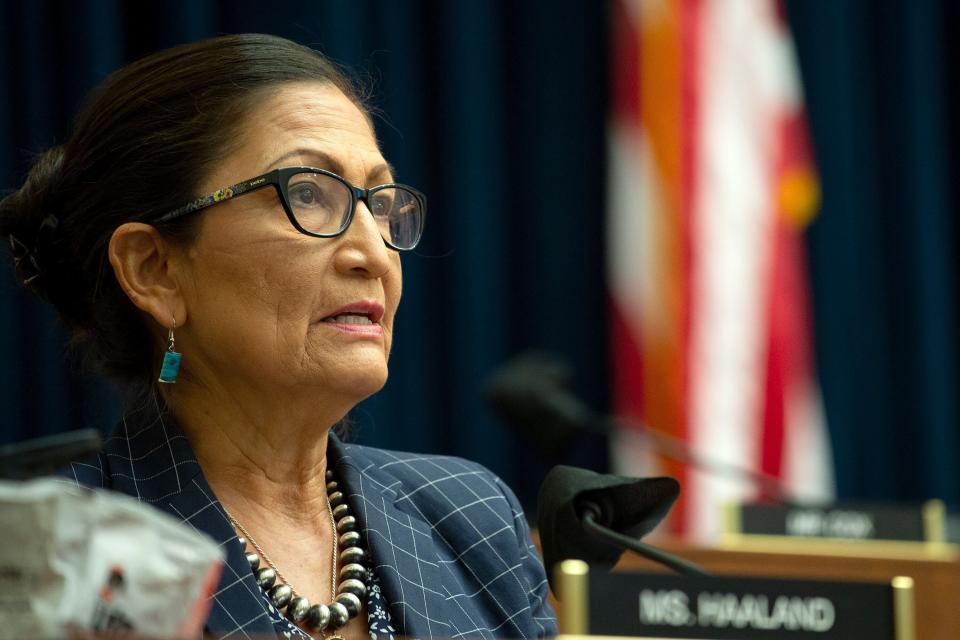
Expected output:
(143, 262)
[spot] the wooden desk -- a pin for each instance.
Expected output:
(936, 580)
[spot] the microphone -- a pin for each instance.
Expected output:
(593, 517)
(43, 456)
(529, 394)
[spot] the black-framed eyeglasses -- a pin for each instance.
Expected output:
(320, 203)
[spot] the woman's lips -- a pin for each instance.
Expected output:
(370, 309)
(360, 330)
(360, 318)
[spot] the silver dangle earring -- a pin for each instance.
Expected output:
(171, 360)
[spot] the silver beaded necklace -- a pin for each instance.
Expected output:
(345, 597)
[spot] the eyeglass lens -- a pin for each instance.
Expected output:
(321, 204)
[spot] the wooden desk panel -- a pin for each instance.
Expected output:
(937, 581)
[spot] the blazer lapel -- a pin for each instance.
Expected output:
(401, 544)
(401, 547)
(159, 467)
(237, 602)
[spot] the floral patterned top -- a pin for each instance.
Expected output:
(378, 615)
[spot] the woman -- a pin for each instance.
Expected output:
(222, 214)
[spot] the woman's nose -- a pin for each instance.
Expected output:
(362, 247)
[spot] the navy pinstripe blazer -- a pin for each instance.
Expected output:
(447, 538)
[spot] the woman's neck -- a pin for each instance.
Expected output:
(262, 456)
(265, 457)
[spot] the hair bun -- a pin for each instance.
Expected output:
(29, 218)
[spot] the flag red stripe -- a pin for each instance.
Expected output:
(787, 305)
(626, 66)
(627, 361)
(779, 307)
(690, 135)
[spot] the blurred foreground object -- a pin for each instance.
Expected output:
(711, 188)
(98, 561)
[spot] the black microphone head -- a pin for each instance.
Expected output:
(528, 393)
(631, 506)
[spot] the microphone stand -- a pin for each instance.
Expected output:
(681, 566)
(529, 393)
(677, 450)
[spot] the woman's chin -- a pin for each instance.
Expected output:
(359, 381)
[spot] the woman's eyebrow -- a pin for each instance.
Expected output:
(319, 159)
(384, 170)
(322, 160)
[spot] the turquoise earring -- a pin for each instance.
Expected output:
(171, 360)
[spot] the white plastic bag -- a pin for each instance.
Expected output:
(93, 560)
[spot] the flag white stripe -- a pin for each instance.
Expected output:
(730, 234)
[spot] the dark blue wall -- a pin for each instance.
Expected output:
(497, 110)
(494, 109)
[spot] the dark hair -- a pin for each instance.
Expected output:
(144, 141)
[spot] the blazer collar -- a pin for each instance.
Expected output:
(399, 541)
(238, 600)
(165, 473)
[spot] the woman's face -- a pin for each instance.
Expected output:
(271, 308)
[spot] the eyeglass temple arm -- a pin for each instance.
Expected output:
(221, 195)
